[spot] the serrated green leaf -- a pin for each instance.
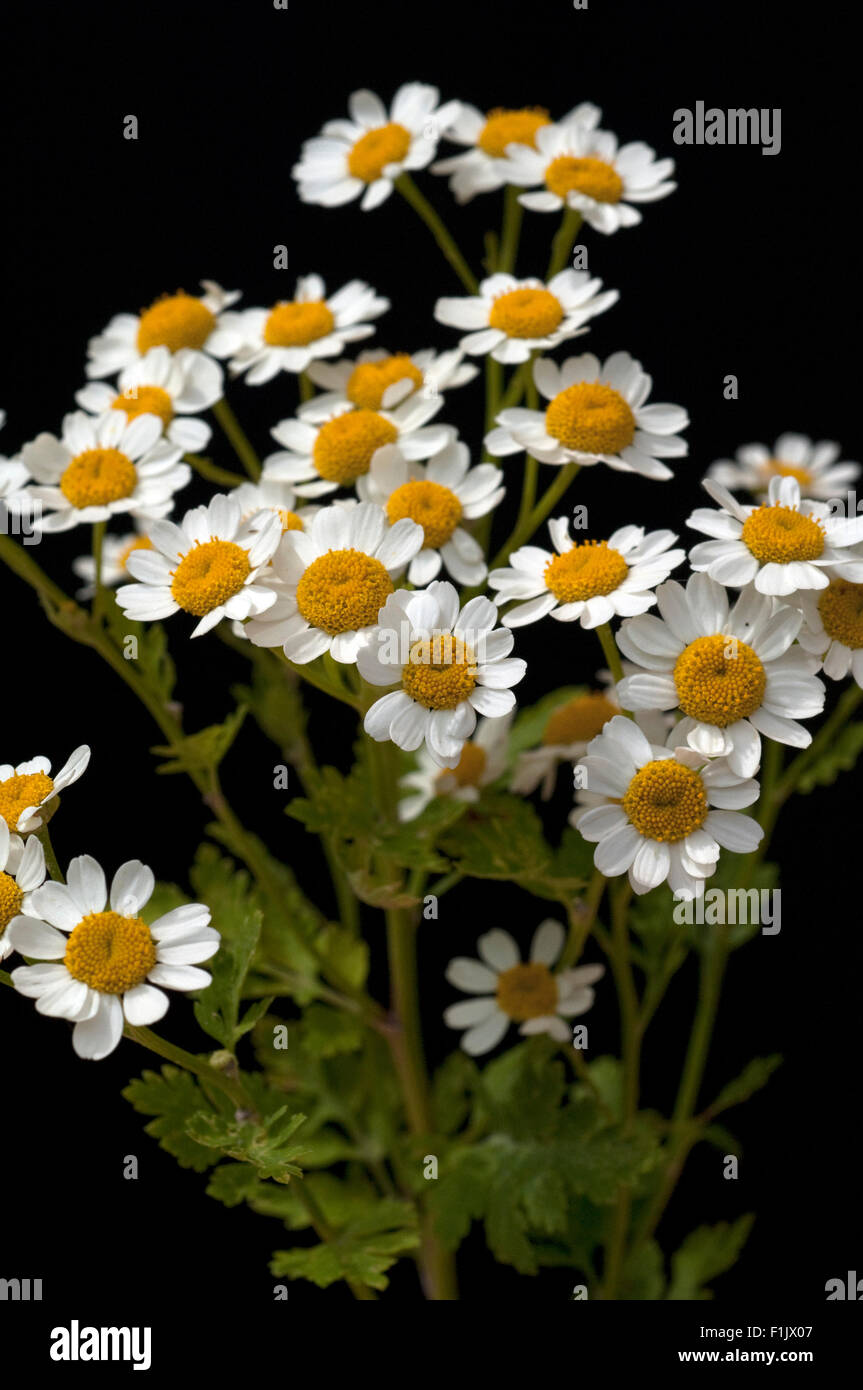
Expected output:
(237, 916)
(839, 755)
(202, 751)
(233, 1183)
(455, 1083)
(264, 1144)
(499, 837)
(173, 1097)
(704, 1255)
(643, 1276)
(362, 1250)
(326, 1032)
(754, 1075)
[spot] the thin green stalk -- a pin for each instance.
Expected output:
(537, 514)
(307, 387)
(53, 867)
(611, 654)
(318, 680)
(421, 205)
(230, 1085)
(564, 241)
(213, 473)
(582, 916)
(510, 229)
(237, 437)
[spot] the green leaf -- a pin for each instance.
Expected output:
(203, 751)
(499, 837)
(754, 1075)
(237, 915)
(327, 1032)
(173, 1097)
(643, 1274)
(233, 1183)
(264, 1144)
(571, 868)
(454, 1084)
(839, 756)
(705, 1254)
(362, 1250)
(275, 703)
(150, 653)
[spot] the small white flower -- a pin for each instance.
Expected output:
(115, 553)
(266, 497)
(176, 321)
(207, 566)
(512, 318)
(102, 964)
(833, 628)
(449, 666)
(582, 168)
(22, 868)
(483, 760)
(294, 332)
(331, 580)
(384, 379)
(596, 414)
(661, 813)
(13, 477)
(362, 157)
(172, 386)
(781, 546)
(103, 467)
(733, 674)
(438, 496)
(793, 456)
(484, 167)
(510, 991)
(27, 790)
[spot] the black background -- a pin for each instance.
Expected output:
(751, 268)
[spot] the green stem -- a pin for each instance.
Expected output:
(212, 472)
(236, 435)
(563, 242)
(44, 836)
(230, 1085)
(611, 654)
(318, 680)
(307, 388)
(537, 514)
(510, 229)
(421, 205)
(582, 917)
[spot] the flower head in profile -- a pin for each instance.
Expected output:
(795, 456)
(484, 166)
(380, 379)
(28, 790)
(175, 321)
(207, 566)
(363, 156)
(101, 965)
(833, 628)
(483, 761)
(22, 868)
(174, 386)
(449, 665)
(512, 318)
(595, 414)
(508, 990)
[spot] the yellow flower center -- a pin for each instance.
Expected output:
(345, 446)
(719, 680)
(97, 477)
(20, 791)
(209, 574)
(431, 505)
(775, 468)
(386, 144)
(369, 380)
(147, 400)
(110, 953)
(440, 671)
(290, 521)
(504, 128)
(296, 324)
(590, 176)
(666, 801)
(175, 321)
(526, 991)
(778, 535)
(467, 772)
(139, 543)
(590, 418)
(343, 591)
(526, 313)
(11, 898)
(841, 609)
(588, 569)
(579, 720)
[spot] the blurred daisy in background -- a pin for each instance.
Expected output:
(833, 628)
(115, 552)
(483, 761)
(174, 321)
(795, 456)
(484, 167)
(172, 386)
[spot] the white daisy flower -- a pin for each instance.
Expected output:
(22, 868)
(792, 456)
(588, 581)
(115, 552)
(661, 813)
(833, 628)
(321, 456)
(27, 790)
(13, 477)
(582, 168)
(384, 379)
(102, 467)
(596, 414)
(511, 991)
(102, 964)
(733, 674)
(174, 321)
(438, 496)
(291, 334)
(781, 546)
(484, 167)
(331, 580)
(512, 318)
(207, 566)
(450, 666)
(173, 386)
(483, 760)
(362, 157)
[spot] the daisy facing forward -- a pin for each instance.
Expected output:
(483, 760)
(793, 456)
(659, 813)
(27, 791)
(583, 169)
(438, 496)
(449, 666)
(588, 581)
(362, 157)
(330, 581)
(290, 335)
(380, 379)
(484, 167)
(733, 674)
(104, 467)
(512, 318)
(102, 965)
(833, 629)
(174, 321)
(172, 386)
(207, 566)
(511, 991)
(782, 546)
(22, 868)
(595, 414)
